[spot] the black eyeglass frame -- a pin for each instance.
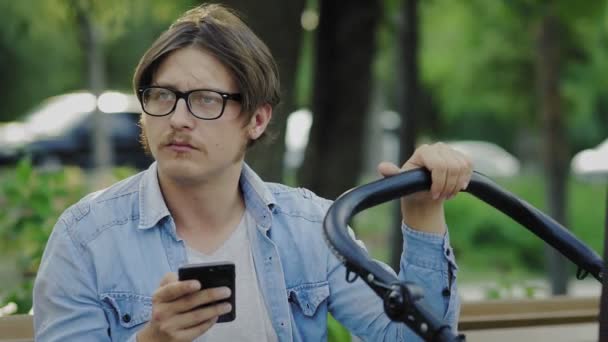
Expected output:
(185, 95)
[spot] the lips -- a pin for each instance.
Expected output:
(180, 146)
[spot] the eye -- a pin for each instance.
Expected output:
(206, 98)
(159, 95)
(164, 95)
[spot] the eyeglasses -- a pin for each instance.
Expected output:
(202, 103)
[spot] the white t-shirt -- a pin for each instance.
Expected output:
(252, 322)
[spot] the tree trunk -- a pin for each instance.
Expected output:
(603, 332)
(409, 108)
(342, 86)
(91, 42)
(555, 147)
(280, 29)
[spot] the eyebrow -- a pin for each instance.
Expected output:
(169, 86)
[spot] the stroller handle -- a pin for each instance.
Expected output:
(358, 199)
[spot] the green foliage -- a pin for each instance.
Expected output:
(486, 240)
(478, 57)
(336, 332)
(489, 244)
(33, 201)
(49, 28)
(507, 286)
(479, 60)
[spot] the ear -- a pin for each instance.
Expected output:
(259, 121)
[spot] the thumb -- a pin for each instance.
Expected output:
(387, 169)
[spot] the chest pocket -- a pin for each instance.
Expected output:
(129, 309)
(308, 297)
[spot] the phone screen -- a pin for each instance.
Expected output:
(212, 275)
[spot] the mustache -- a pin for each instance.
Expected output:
(178, 137)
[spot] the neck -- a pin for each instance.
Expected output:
(211, 205)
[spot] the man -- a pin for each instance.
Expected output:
(207, 87)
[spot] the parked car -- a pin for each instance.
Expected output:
(60, 131)
(488, 158)
(592, 164)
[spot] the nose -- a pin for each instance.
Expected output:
(181, 117)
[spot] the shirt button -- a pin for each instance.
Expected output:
(126, 318)
(446, 292)
(447, 252)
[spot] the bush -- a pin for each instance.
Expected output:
(33, 201)
(486, 241)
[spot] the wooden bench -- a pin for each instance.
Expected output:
(529, 312)
(16, 328)
(480, 321)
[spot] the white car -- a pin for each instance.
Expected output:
(592, 164)
(488, 158)
(60, 130)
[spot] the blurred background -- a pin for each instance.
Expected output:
(518, 85)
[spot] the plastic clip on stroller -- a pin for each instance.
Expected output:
(404, 302)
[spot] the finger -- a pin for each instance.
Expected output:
(438, 178)
(198, 298)
(192, 333)
(466, 171)
(195, 317)
(174, 290)
(170, 277)
(387, 169)
(454, 169)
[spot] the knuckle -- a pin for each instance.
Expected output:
(213, 294)
(218, 293)
(197, 300)
(201, 315)
(164, 328)
(219, 309)
(459, 163)
(157, 315)
(188, 300)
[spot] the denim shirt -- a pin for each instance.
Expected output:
(107, 255)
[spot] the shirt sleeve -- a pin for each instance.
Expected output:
(427, 260)
(66, 307)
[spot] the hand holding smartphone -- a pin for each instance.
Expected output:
(210, 275)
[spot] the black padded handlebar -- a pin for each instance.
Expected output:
(384, 190)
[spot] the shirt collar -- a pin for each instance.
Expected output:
(259, 200)
(152, 207)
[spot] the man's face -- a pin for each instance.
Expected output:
(188, 149)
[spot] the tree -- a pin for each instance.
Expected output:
(92, 20)
(345, 45)
(494, 49)
(555, 142)
(409, 106)
(280, 29)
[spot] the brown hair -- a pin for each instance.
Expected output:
(219, 31)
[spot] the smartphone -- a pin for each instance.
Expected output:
(216, 274)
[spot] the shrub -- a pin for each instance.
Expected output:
(487, 241)
(33, 201)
